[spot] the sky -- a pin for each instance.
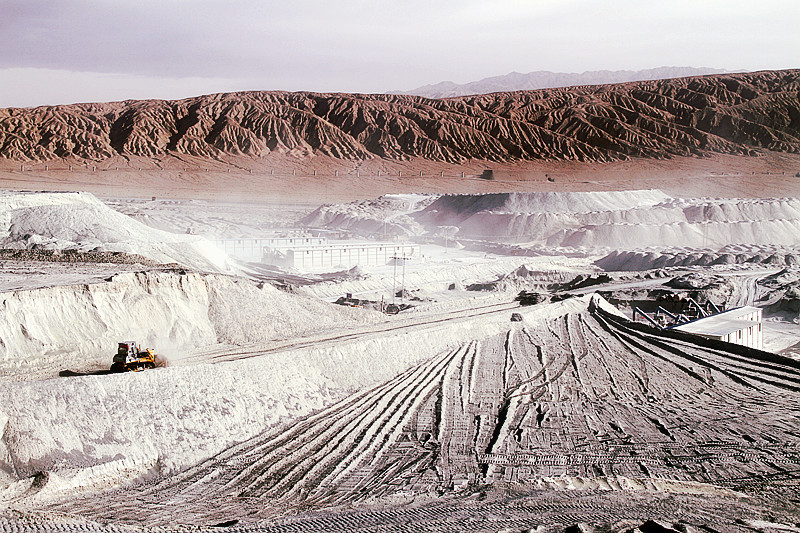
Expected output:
(68, 51)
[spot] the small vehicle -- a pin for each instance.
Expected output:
(530, 298)
(392, 309)
(131, 358)
(516, 317)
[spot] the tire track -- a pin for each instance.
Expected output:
(392, 326)
(579, 398)
(736, 368)
(322, 458)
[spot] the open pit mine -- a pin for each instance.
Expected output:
(461, 352)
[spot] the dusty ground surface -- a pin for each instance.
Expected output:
(581, 402)
(282, 179)
(448, 417)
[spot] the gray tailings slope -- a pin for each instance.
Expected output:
(635, 424)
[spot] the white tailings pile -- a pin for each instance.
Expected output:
(582, 202)
(59, 221)
(619, 220)
(387, 215)
(757, 255)
(77, 327)
(97, 432)
(459, 209)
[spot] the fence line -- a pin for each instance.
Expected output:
(400, 174)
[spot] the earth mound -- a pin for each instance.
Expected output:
(623, 220)
(86, 227)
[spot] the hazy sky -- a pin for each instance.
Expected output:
(65, 51)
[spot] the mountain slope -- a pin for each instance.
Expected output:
(543, 79)
(732, 114)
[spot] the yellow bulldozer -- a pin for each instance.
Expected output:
(131, 358)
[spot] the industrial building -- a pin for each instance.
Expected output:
(741, 325)
(254, 249)
(305, 252)
(284, 243)
(347, 255)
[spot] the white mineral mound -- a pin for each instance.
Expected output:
(632, 260)
(387, 215)
(620, 220)
(700, 223)
(535, 216)
(463, 206)
(94, 431)
(582, 202)
(58, 221)
(77, 327)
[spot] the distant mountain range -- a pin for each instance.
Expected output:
(690, 116)
(543, 79)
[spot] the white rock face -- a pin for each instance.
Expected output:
(388, 215)
(78, 326)
(622, 220)
(111, 427)
(59, 221)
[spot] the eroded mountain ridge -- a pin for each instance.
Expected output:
(730, 113)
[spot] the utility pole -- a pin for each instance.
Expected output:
(394, 278)
(402, 280)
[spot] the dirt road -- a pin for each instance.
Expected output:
(396, 324)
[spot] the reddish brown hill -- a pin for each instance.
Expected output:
(731, 114)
